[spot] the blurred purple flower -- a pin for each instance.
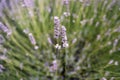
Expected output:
(1, 68)
(29, 3)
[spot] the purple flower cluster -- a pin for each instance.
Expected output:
(32, 39)
(60, 31)
(56, 27)
(5, 29)
(64, 37)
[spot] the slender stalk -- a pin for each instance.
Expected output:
(64, 65)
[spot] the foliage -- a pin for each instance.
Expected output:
(93, 31)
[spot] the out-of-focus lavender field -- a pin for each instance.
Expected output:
(59, 39)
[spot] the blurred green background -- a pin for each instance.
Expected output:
(93, 32)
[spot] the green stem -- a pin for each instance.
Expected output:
(64, 66)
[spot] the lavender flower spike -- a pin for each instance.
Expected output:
(64, 37)
(54, 66)
(56, 27)
(66, 2)
(5, 29)
(32, 39)
(2, 40)
(29, 3)
(1, 68)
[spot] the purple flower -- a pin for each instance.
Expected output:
(1, 68)
(29, 3)
(56, 27)
(32, 39)
(2, 40)
(64, 37)
(5, 29)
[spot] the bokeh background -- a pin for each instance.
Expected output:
(93, 33)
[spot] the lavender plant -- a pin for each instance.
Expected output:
(60, 40)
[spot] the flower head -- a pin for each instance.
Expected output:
(1, 68)
(1, 39)
(54, 66)
(64, 37)
(66, 2)
(5, 29)
(32, 39)
(56, 27)
(29, 3)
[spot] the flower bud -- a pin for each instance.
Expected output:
(32, 39)
(56, 27)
